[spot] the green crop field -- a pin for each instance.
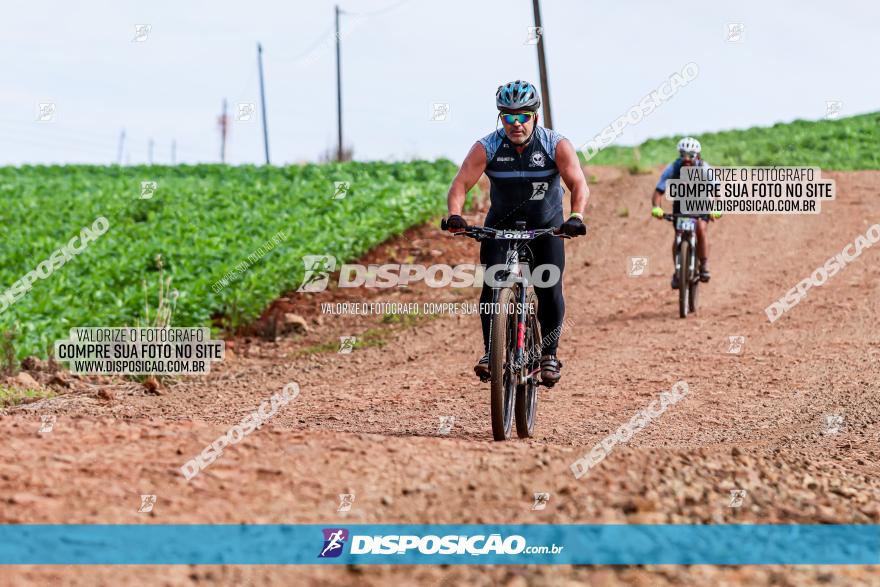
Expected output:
(200, 225)
(842, 144)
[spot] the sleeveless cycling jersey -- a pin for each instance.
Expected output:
(524, 186)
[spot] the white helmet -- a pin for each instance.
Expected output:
(689, 144)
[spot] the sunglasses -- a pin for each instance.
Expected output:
(520, 118)
(688, 154)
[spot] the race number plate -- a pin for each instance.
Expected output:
(684, 223)
(515, 235)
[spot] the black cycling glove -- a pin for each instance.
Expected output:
(574, 226)
(455, 222)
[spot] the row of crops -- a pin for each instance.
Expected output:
(194, 225)
(841, 144)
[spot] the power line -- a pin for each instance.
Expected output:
(377, 12)
(312, 47)
(45, 145)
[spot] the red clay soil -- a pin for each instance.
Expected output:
(367, 422)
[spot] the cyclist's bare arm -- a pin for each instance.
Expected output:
(466, 178)
(657, 199)
(570, 169)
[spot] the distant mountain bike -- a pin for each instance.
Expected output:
(515, 337)
(686, 262)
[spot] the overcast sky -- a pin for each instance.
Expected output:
(398, 59)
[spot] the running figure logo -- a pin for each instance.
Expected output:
(833, 423)
(346, 344)
(541, 500)
(446, 424)
(539, 190)
(147, 503)
(735, 32)
(318, 269)
(736, 498)
(735, 344)
(334, 540)
(637, 266)
(340, 188)
(47, 422)
(346, 500)
(46, 112)
(148, 188)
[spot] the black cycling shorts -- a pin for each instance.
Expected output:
(546, 249)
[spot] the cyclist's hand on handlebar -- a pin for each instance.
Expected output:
(455, 223)
(657, 212)
(715, 215)
(572, 227)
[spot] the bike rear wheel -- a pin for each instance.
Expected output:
(684, 278)
(527, 393)
(502, 388)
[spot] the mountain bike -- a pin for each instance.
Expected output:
(686, 262)
(515, 337)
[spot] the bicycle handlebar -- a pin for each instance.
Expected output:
(484, 232)
(672, 217)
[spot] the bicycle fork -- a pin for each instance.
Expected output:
(692, 252)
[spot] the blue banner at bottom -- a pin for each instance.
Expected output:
(417, 544)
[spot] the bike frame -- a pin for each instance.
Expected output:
(691, 236)
(513, 274)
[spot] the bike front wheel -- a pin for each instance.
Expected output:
(684, 278)
(502, 349)
(527, 393)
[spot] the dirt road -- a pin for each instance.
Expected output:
(793, 418)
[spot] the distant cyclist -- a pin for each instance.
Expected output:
(524, 163)
(689, 155)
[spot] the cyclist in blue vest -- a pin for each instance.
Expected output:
(689, 155)
(524, 163)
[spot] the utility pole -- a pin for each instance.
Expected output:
(542, 65)
(121, 145)
(223, 121)
(262, 101)
(150, 152)
(338, 90)
(174, 151)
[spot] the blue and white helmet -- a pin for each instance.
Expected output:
(517, 95)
